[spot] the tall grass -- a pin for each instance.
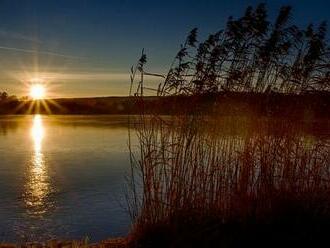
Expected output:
(190, 164)
(199, 179)
(252, 53)
(195, 166)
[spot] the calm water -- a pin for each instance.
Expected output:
(63, 176)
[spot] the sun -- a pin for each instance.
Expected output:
(38, 97)
(37, 91)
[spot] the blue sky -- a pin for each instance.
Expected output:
(86, 47)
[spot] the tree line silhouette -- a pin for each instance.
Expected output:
(5, 97)
(250, 54)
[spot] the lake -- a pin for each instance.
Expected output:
(63, 176)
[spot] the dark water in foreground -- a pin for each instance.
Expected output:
(63, 176)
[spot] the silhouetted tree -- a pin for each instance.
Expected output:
(3, 96)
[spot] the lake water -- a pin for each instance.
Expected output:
(63, 176)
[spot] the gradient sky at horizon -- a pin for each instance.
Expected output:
(86, 47)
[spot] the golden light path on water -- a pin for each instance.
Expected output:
(38, 186)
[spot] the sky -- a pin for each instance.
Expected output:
(84, 48)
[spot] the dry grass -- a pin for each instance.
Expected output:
(202, 173)
(198, 180)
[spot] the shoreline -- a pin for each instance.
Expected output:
(312, 105)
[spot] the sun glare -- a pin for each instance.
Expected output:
(37, 91)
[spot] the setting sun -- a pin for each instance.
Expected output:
(37, 91)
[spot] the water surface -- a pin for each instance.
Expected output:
(62, 176)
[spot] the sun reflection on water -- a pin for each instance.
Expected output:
(38, 187)
(37, 133)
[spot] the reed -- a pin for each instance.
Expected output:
(201, 180)
(252, 53)
(193, 167)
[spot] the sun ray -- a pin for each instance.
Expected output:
(46, 107)
(56, 104)
(38, 106)
(21, 105)
(31, 105)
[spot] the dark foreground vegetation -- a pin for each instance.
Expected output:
(201, 180)
(212, 182)
(250, 54)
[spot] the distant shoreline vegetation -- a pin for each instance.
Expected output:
(308, 105)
